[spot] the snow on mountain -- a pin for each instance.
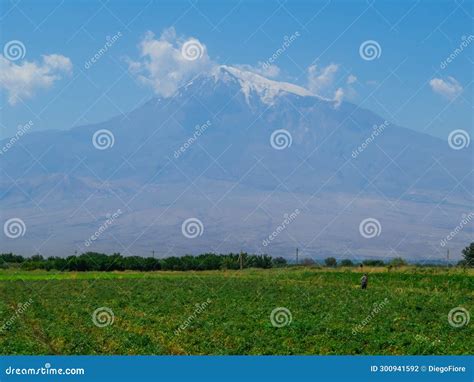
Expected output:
(251, 82)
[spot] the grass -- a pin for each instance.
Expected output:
(330, 313)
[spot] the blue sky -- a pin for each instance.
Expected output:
(407, 83)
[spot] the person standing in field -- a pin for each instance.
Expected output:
(364, 280)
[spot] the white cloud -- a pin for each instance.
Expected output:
(22, 80)
(319, 80)
(450, 88)
(168, 62)
(351, 79)
(349, 92)
(262, 68)
(338, 96)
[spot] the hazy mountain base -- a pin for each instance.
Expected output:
(241, 219)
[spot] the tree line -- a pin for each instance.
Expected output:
(93, 261)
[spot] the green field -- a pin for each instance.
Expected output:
(402, 312)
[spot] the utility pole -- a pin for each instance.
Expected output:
(241, 261)
(296, 256)
(153, 253)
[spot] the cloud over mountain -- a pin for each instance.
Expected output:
(321, 82)
(167, 62)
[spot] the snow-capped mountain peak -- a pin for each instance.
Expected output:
(252, 83)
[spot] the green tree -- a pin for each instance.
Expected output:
(330, 262)
(373, 263)
(398, 262)
(468, 254)
(347, 263)
(279, 262)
